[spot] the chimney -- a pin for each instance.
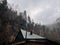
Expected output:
(30, 32)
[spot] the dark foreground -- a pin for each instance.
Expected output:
(34, 42)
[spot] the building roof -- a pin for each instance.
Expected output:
(21, 36)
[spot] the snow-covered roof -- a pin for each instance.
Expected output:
(33, 36)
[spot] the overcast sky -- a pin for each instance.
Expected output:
(42, 11)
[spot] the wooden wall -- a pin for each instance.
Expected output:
(35, 43)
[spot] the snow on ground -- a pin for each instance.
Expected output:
(33, 36)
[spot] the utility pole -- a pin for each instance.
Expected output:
(26, 26)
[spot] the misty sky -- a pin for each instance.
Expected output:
(42, 11)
